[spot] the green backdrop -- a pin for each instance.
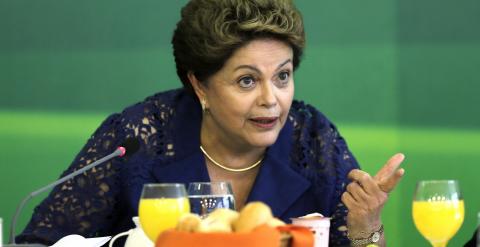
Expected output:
(394, 75)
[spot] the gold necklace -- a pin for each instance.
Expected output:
(228, 168)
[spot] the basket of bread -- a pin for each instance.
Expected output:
(253, 226)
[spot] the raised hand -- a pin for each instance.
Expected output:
(365, 196)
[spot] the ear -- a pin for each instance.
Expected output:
(198, 87)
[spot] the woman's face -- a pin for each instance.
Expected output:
(250, 97)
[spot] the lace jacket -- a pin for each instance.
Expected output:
(304, 171)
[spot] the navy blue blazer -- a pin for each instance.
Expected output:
(304, 171)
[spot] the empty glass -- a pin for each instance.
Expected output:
(207, 196)
(478, 230)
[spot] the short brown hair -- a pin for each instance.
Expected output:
(209, 31)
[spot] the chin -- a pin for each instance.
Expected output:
(264, 140)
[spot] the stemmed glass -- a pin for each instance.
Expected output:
(207, 196)
(161, 206)
(438, 210)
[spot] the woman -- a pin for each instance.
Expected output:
(234, 120)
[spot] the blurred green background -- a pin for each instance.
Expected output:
(394, 75)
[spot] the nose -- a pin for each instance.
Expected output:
(267, 97)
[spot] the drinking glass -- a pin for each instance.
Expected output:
(438, 210)
(161, 206)
(207, 196)
(478, 229)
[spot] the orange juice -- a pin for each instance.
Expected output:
(438, 221)
(157, 215)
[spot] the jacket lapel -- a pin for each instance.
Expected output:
(190, 169)
(188, 164)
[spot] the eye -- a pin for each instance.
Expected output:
(246, 82)
(283, 77)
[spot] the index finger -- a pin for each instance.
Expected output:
(390, 167)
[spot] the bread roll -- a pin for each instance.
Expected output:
(274, 222)
(214, 226)
(224, 214)
(189, 223)
(220, 220)
(252, 215)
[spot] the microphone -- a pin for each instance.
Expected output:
(128, 147)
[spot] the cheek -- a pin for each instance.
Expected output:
(285, 100)
(236, 112)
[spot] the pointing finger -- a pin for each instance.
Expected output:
(390, 167)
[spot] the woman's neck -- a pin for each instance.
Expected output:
(227, 150)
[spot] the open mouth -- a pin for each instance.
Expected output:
(264, 122)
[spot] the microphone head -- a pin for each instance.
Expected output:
(122, 151)
(129, 147)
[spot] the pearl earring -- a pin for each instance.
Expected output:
(204, 105)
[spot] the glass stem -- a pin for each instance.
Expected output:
(440, 244)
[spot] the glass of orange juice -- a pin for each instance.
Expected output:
(161, 206)
(438, 210)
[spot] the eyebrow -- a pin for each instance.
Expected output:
(257, 70)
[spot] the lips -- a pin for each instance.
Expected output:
(264, 122)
